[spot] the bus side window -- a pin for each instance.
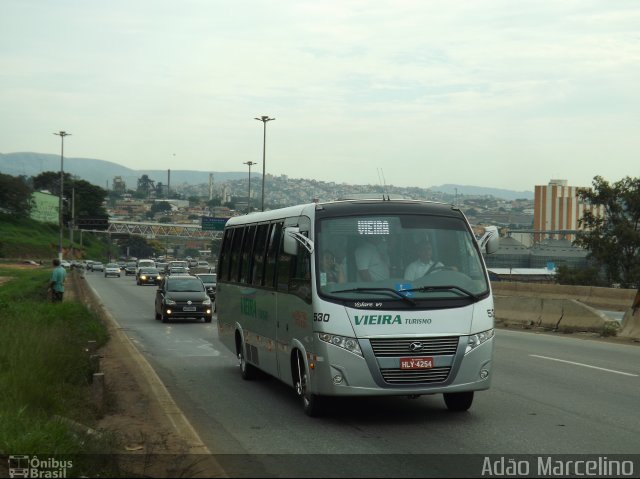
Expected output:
(247, 254)
(225, 255)
(272, 254)
(284, 269)
(236, 251)
(259, 247)
(300, 282)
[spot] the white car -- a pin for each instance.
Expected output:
(96, 266)
(112, 269)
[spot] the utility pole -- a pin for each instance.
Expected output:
(73, 215)
(61, 134)
(250, 163)
(264, 119)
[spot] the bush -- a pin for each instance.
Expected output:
(44, 368)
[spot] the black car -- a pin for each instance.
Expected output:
(148, 276)
(209, 280)
(130, 268)
(182, 296)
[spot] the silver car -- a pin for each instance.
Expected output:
(95, 266)
(112, 269)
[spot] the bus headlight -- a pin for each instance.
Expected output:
(350, 344)
(207, 302)
(477, 339)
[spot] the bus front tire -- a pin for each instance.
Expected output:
(458, 401)
(247, 371)
(312, 404)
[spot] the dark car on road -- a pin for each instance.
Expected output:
(130, 268)
(148, 276)
(182, 296)
(209, 280)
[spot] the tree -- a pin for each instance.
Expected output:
(138, 246)
(160, 207)
(613, 239)
(15, 195)
(88, 200)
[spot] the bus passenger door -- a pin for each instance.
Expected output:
(264, 275)
(294, 305)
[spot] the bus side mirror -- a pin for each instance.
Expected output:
(290, 245)
(292, 239)
(493, 244)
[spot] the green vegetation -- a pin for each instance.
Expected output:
(613, 239)
(24, 238)
(45, 371)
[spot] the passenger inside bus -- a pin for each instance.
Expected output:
(371, 259)
(333, 270)
(423, 264)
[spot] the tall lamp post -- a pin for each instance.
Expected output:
(250, 164)
(61, 134)
(264, 119)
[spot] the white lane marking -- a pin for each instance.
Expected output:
(585, 365)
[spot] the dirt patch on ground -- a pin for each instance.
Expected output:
(146, 442)
(149, 437)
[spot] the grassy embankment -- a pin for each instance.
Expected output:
(24, 238)
(45, 370)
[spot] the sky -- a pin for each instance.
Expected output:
(496, 93)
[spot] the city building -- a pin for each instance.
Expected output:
(119, 186)
(558, 209)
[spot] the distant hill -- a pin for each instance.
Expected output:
(101, 173)
(483, 191)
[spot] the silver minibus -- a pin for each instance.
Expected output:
(359, 298)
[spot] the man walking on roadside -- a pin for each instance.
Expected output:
(56, 284)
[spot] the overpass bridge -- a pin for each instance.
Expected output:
(160, 230)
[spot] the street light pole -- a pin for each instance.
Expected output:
(264, 119)
(250, 163)
(61, 134)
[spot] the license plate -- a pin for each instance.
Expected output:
(416, 363)
(189, 308)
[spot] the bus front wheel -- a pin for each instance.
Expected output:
(458, 401)
(247, 371)
(311, 403)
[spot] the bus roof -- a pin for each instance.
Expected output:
(350, 206)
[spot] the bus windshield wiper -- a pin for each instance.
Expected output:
(379, 290)
(428, 289)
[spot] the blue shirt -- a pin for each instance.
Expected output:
(58, 276)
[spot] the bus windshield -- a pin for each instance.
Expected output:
(421, 257)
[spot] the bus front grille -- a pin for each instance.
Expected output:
(415, 376)
(415, 346)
